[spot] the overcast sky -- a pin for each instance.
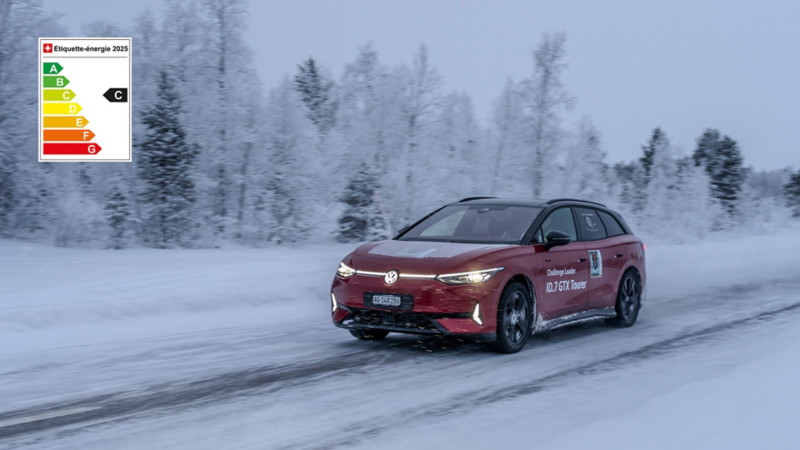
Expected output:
(634, 65)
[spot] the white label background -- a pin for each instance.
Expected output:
(89, 79)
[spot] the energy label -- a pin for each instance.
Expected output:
(85, 99)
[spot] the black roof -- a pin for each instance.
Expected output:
(523, 202)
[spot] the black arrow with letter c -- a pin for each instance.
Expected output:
(117, 95)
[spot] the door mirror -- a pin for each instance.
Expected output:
(555, 238)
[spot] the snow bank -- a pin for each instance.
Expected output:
(46, 287)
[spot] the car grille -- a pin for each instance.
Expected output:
(407, 320)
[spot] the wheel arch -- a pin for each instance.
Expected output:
(525, 281)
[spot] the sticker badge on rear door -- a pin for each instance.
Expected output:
(595, 264)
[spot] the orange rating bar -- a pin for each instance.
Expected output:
(64, 122)
(68, 135)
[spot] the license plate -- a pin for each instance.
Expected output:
(389, 301)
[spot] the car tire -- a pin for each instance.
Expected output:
(514, 319)
(369, 335)
(629, 300)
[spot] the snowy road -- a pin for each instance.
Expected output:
(261, 374)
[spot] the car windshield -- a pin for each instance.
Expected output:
(502, 224)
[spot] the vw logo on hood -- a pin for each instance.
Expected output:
(391, 277)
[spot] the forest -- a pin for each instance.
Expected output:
(350, 153)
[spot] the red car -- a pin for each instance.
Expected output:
(494, 270)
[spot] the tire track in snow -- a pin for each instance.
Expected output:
(471, 400)
(268, 379)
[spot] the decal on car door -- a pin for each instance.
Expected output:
(596, 264)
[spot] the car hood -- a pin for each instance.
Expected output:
(432, 257)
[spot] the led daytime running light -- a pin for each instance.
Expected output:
(477, 276)
(476, 314)
(345, 271)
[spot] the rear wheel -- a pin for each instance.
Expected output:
(629, 299)
(514, 316)
(370, 335)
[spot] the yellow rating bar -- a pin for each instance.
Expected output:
(57, 95)
(62, 108)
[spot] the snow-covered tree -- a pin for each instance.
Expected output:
(455, 147)
(27, 188)
(227, 82)
(722, 160)
(118, 215)
(421, 96)
(507, 132)
(292, 180)
(545, 98)
(316, 88)
(586, 165)
(792, 192)
(370, 128)
(635, 177)
(165, 160)
(694, 210)
(658, 142)
(362, 219)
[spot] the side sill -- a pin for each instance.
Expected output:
(576, 318)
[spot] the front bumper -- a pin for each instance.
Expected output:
(410, 322)
(438, 309)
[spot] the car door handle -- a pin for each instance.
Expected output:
(582, 260)
(618, 255)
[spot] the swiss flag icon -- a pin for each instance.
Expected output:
(48, 48)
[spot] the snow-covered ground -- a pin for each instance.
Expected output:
(233, 348)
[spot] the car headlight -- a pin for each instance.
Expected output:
(345, 271)
(478, 276)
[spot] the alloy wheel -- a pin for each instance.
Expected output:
(629, 297)
(516, 318)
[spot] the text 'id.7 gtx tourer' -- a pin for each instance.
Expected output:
(495, 271)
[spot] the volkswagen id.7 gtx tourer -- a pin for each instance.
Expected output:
(494, 271)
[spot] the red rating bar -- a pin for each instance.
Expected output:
(79, 148)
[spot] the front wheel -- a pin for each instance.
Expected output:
(629, 299)
(369, 335)
(514, 318)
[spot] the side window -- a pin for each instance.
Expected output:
(560, 220)
(592, 228)
(612, 225)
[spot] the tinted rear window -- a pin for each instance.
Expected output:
(502, 224)
(591, 226)
(612, 225)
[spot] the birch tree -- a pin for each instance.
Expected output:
(545, 98)
(507, 132)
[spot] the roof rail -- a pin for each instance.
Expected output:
(472, 198)
(574, 200)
